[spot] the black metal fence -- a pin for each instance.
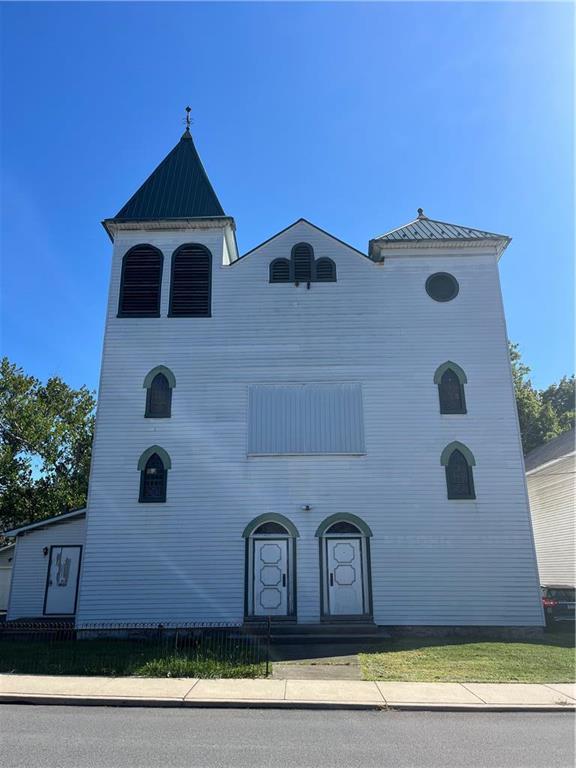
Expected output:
(153, 650)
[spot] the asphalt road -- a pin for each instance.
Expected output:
(99, 737)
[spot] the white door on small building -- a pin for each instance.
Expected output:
(270, 577)
(5, 577)
(62, 583)
(345, 577)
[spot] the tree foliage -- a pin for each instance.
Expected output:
(45, 446)
(543, 414)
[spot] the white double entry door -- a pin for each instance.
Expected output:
(343, 580)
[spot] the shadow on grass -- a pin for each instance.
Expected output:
(115, 658)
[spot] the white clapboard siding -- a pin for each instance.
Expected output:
(6, 560)
(433, 561)
(305, 419)
(30, 565)
(553, 505)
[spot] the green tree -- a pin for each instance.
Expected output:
(561, 397)
(542, 414)
(45, 446)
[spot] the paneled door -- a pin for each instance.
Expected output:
(62, 583)
(344, 577)
(270, 577)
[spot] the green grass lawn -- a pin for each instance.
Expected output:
(547, 660)
(117, 658)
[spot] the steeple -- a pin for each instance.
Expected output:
(178, 189)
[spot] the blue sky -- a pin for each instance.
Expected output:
(350, 115)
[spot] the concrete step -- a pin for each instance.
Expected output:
(331, 629)
(314, 634)
(309, 639)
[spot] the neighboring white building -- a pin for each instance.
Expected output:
(6, 559)
(46, 567)
(307, 431)
(551, 476)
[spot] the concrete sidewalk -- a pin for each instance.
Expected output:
(290, 694)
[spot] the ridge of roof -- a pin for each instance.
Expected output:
(560, 446)
(294, 223)
(178, 187)
(424, 228)
(47, 521)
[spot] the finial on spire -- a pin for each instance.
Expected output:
(187, 121)
(421, 214)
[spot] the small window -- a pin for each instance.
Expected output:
(141, 282)
(190, 290)
(153, 480)
(343, 527)
(302, 258)
(271, 527)
(280, 271)
(442, 287)
(159, 398)
(459, 477)
(325, 270)
(451, 393)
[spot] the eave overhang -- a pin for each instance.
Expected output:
(227, 223)
(378, 248)
(46, 522)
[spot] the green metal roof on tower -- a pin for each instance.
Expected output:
(178, 189)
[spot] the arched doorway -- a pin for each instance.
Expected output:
(345, 567)
(270, 573)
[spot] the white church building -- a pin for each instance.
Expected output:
(306, 431)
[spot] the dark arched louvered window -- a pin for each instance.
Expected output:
(280, 271)
(459, 477)
(325, 270)
(191, 287)
(141, 282)
(159, 398)
(302, 258)
(451, 393)
(153, 480)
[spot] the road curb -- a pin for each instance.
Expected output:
(112, 701)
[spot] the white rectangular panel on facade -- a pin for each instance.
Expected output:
(305, 419)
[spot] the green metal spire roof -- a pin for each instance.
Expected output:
(178, 189)
(433, 232)
(423, 228)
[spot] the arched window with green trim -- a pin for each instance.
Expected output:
(450, 379)
(159, 384)
(458, 461)
(153, 465)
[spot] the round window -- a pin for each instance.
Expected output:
(442, 286)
